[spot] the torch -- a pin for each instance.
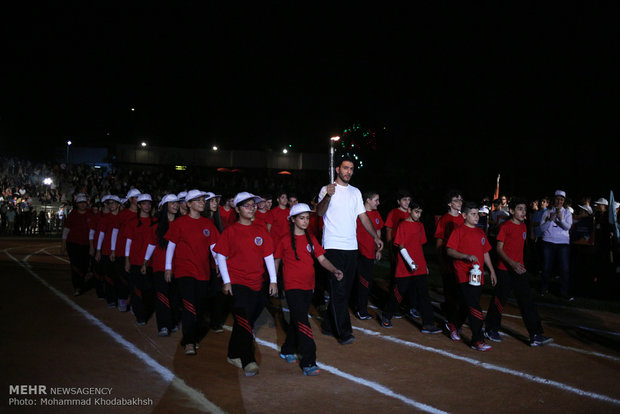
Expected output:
(331, 157)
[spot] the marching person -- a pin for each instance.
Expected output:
(469, 245)
(512, 275)
(244, 249)
(139, 233)
(368, 253)
(166, 295)
(297, 252)
(117, 292)
(75, 242)
(411, 275)
(191, 239)
(340, 205)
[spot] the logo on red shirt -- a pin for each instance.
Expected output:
(524, 235)
(483, 241)
(206, 232)
(377, 221)
(309, 248)
(258, 241)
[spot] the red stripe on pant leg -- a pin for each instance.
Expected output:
(364, 282)
(163, 299)
(305, 329)
(397, 295)
(475, 313)
(138, 292)
(109, 280)
(242, 322)
(189, 307)
(498, 305)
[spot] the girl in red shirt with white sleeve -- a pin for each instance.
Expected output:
(243, 251)
(166, 297)
(138, 236)
(190, 240)
(106, 243)
(297, 251)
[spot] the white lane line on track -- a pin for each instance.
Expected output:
(361, 381)
(196, 396)
(555, 345)
(493, 367)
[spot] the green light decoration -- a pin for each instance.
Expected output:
(356, 142)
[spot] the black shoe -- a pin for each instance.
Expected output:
(326, 332)
(540, 340)
(346, 340)
(363, 315)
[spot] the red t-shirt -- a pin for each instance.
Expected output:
(79, 226)
(245, 248)
(513, 236)
(193, 238)
(316, 225)
(127, 218)
(394, 218)
(411, 234)
(365, 242)
(472, 241)
(158, 259)
(262, 219)
(141, 236)
(279, 224)
(107, 224)
(228, 217)
(446, 224)
(298, 274)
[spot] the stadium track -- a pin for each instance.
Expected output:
(52, 338)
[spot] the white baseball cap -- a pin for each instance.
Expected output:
(298, 209)
(560, 193)
(194, 194)
(81, 198)
(210, 195)
(134, 192)
(114, 198)
(144, 197)
(586, 208)
(168, 198)
(244, 196)
(181, 196)
(105, 198)
(602, 202)
(483, 209)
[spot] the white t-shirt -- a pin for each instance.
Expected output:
(340, 219)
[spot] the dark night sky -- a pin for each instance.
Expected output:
(518, 76)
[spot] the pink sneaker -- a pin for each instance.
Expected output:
(454, 333)
(481, 346)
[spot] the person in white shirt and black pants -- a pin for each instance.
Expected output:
(340, 205)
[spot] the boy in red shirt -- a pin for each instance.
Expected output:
(446, 224)
(243, 251)
(368, 253)
(411, 272)
(511, 275)
(469, 245)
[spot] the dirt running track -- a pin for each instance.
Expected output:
(77, 344)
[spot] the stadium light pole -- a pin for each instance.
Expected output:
(332, 140)
(68, 145)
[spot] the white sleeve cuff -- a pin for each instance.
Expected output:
(113, 239)
(271, 269)
(149, 252)
(127, 247)
(169, 255)
(100, 241)
(221, 262)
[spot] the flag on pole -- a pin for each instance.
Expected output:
(613, 219)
